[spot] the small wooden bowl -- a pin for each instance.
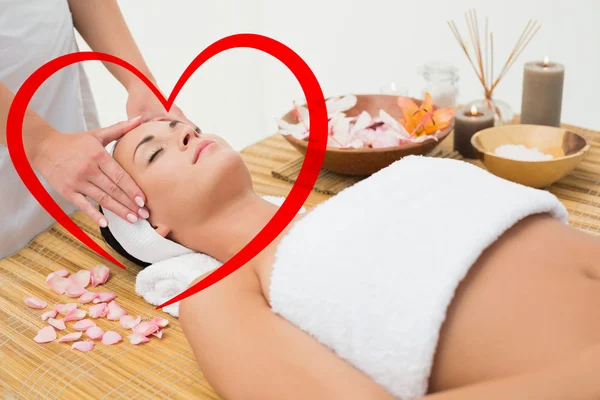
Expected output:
(368, 161)
(567, 148)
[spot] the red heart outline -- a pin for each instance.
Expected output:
(288, 210)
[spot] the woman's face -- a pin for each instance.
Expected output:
(185, 175)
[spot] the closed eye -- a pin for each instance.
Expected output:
(154, 154)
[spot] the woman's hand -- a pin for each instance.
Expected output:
(142, 101)
(78, 166)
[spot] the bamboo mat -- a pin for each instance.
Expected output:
(164, 368)
(579, 191)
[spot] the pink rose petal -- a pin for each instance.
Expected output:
(70, 337)
(331, 142)
(34, 302)
(137, 339)
(49, 314)
(84, 346)
(83, 325)
(95, 333)
(64, 309)
(111, 337)
(87, 297)
(385, 139)
(160, 322)
(83, 277)
(75, 290)
(158, 334)
(99, 275)
(145, 329)
(128, 322)
(80, 279)
(57, 323)
(115, 312)
(58, 284)
(75, 315)
(105, 297)
(50, 276)
(397, 129)
(98, 311)
(45, 335)
(63, 273)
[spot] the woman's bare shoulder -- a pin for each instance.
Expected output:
(252, 278)
(199, 279)
(240, 284)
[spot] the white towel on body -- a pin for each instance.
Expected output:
(371, 272)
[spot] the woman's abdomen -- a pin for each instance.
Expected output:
(531, 299)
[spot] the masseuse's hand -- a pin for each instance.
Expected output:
(142, 101)
(78, 166)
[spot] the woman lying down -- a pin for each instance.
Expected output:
(430, 279)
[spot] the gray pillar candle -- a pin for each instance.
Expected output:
(467, 122)
(542, 93)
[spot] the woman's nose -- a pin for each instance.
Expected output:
(185, 137)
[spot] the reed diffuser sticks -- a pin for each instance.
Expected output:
(483, 64)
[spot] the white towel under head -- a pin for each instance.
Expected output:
(166, 279)
(171, 275)
(142, 241)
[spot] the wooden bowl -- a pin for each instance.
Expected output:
(567, 148)
(368, 161)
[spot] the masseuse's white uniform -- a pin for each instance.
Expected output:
(33, 32)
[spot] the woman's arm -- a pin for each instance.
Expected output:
(35, 129)
(248, 352)
(102, 26)
(77, 166)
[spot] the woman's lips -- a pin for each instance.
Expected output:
(201, 146)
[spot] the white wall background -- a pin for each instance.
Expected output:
(352, 46)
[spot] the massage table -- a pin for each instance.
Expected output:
(164, 368)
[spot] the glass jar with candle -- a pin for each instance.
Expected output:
(441, 81)
(503, 113)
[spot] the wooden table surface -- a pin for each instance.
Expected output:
(164, 368)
